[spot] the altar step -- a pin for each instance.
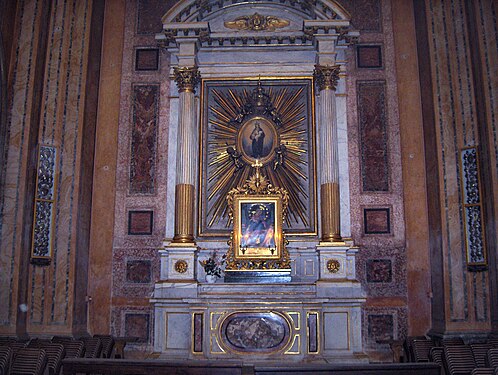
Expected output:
(73, 366)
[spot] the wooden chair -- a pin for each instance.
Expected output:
(459, 359)
(492, 358)
(480, 352)
(483, 371)
(16, 346)
(408, 347)
(29, 361)
(421, 348)
(74, 348)
(93, 347)
(436, 355)
(107, 345)
(493, 341)
(5, 359)
(55, 354)
(452, 341)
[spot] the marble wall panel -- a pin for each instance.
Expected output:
(372, 120)
(376, 221)
(382, 271)
(50, 291)
(146, 59)
(150, 13)
(15, 161)
(132, 321)
(140, 222)
(367, 15)
(138, 271)
(384, 323)
(143, 139)
(137, 325)
(456, 127)
(368, 56)
(379, 270)
(134, 272)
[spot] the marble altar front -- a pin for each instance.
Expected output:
(298, 321)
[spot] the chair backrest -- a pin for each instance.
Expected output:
(61, 339)
(93, 347)
(107, 345)
(436, 355)
(29, 361)
(5, 359)
(408, 347)
(452, 341)
(480, 352)
(492, 358)
(74, 348)
(459, 359)
(493, 342)
(421, 348)
(483, 371)
(55, 354)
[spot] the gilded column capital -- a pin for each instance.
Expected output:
(187, 78)
(326, 76)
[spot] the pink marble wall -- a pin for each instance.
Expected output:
(146, 191)
(381, 259)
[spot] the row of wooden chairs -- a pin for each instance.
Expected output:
(39, 356)
(454, 357)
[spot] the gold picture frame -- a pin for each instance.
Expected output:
(258, 227)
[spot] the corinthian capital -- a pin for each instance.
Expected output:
(326, 76)
(187, 78)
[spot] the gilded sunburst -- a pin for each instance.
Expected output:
(262, 121)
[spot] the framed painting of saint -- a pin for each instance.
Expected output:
(257, 227)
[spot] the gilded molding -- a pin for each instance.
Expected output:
(187, 78)
(330, 209)
(184, 217)
(326, 76)
(257, 22)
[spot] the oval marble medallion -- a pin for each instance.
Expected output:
(255, 332)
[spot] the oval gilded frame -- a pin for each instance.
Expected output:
(247, 140)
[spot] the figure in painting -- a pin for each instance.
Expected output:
(258, 233)
(257, 137)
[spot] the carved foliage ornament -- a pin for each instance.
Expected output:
(257, 22)
(326, 76)
(187, 78)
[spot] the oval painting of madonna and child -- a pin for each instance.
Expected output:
(257, 139)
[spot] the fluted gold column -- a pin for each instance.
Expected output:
(187, 78)
(326, 78)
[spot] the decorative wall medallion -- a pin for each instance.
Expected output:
(181, 266)
(333, 265)
(257, 22)
(255, 332)
(269, 121)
